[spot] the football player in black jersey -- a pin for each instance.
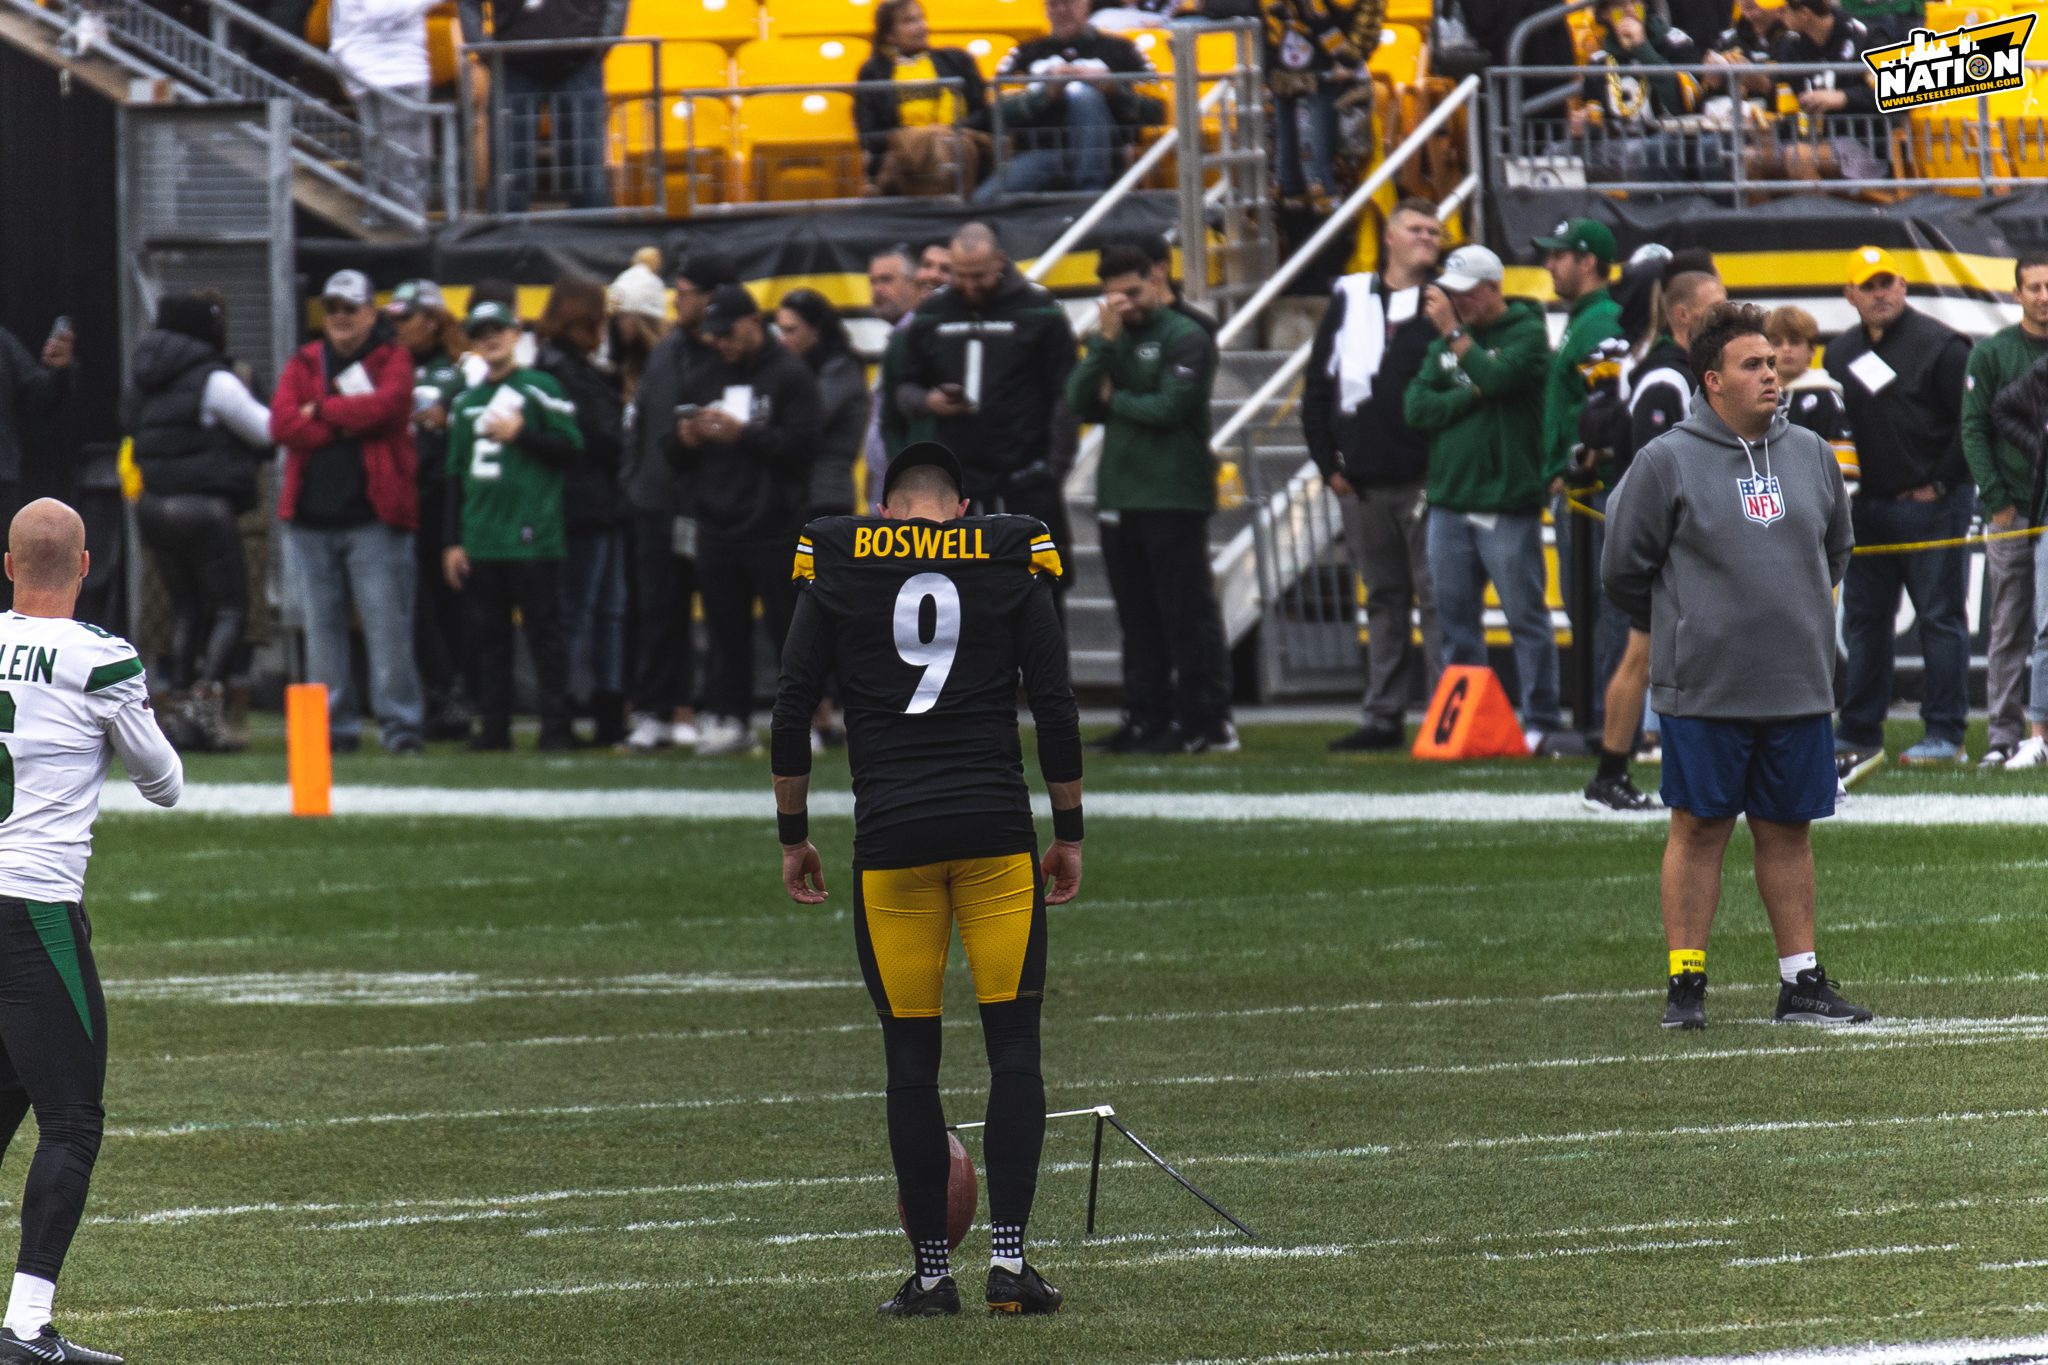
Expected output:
(928, 617)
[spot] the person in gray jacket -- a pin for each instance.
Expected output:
(1725, 540)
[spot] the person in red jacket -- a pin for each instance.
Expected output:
(350, 505)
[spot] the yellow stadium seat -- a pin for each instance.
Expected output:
(1403, 57)
(819, 18)
(800, 61)
(1215, 53)
(987, 49)
(1416, 12)
(443, 33)
(709, 21)
(318, 32)
(1018, 18)
(799, 145)
(696, 131)
(1943, 17)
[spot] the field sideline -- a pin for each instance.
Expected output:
(460, 1081)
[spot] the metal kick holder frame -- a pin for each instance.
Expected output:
(1106, 1115)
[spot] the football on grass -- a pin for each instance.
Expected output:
(963, 1193)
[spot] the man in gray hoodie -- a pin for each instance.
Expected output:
(1725, 541)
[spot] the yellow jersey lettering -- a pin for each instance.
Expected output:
(904, 547)
(979, 553)
(926, 539)
(863, 541)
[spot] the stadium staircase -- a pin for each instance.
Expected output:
(1275, 544)
(136, 54)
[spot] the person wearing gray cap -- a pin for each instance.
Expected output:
(1480, 399)
(350, 503)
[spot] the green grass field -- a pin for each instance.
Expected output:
(458, 1089)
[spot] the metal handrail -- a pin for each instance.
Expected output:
(1466, 92)
(1114, 195)
(216, 71)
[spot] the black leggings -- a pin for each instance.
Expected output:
(197, 545)
(1013, 1140)
(53, 1058)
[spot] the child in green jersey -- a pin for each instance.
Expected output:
(509, 439)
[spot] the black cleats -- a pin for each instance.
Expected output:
(48, 1346)
(1812, 1000)
(1685, 1003)
(1617, 794)
(1022, 1293)
(942, 1300)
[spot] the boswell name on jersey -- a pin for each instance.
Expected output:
(929, 627)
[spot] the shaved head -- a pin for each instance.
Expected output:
(46, 547)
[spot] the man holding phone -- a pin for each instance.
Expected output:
(982, 369)
(28, 388)
(746, 434)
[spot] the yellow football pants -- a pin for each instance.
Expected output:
(903, 926)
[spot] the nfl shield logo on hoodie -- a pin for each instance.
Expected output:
(1762, 502)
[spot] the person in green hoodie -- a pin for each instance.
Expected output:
(509, 439)
(2005, 490)
(1479, 398)
(1146, 376)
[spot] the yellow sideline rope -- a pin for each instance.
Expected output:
(1583, 509)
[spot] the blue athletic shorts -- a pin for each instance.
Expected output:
(1777, 770)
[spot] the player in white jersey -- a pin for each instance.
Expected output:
(71, 697)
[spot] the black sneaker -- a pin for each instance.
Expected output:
(942, 1300)
(1123, 739)
(1617, 794)
(1025, 1293)
(1369, 739)
(1167, 739)
(1853, 765)
(49, 1346)
(1220, 740)
(1811, 999)
(1685, 1002)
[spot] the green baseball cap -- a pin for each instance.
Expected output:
(489, 313)
(1581, 234)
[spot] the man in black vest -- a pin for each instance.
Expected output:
(567, 85)
(1371, 343)
(1901, 374)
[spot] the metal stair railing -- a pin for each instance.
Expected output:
(328, 141)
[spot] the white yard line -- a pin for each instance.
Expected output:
(1832, 1044)
(756, 804)
(437, 988)
(1958, 1352)
(1852, 1254)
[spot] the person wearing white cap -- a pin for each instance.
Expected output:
(350, 503)
(1479, 398)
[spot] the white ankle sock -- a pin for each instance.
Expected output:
(1789, 968)
(28, 1307)
(1013, 1264)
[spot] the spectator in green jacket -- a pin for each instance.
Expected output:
(1579, 254)
(509, 439)
(1480, 399)
(1146, 377)
(2005, 491)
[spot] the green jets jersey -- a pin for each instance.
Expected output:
(512, 491)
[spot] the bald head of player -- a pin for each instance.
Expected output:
(46, 558)
(924, 492)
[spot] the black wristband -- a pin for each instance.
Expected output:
(1066, 825)
(793, 829)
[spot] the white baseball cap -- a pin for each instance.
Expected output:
(1468, 267)
(349, 286)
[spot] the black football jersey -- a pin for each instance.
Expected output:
(926, 628)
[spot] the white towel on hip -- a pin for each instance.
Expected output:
(1362, 339)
